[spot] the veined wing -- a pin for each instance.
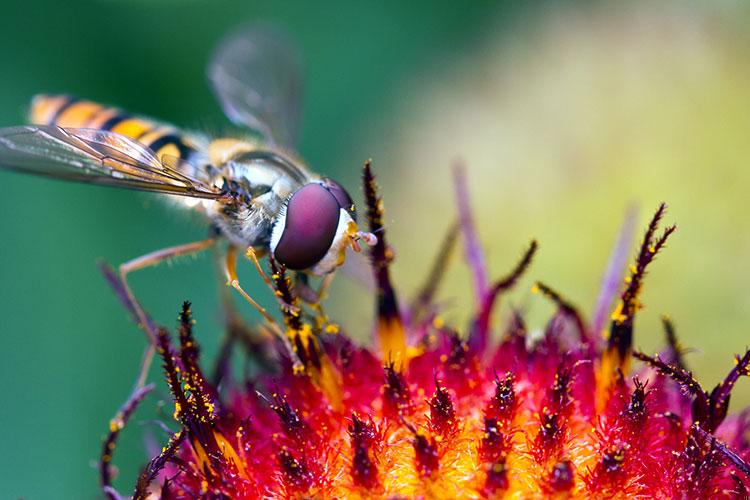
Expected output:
(97, 157)
(256, 76)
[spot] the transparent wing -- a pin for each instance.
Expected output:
(256, 75)
(98, 157)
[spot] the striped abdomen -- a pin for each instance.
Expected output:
(66, 111)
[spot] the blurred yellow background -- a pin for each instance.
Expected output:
(563, 123)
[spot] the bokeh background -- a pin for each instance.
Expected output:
(564, 115)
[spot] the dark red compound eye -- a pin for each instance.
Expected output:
(312, 216)
(342, 197)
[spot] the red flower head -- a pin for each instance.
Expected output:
(440, 412)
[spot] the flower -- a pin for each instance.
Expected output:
(434, 412)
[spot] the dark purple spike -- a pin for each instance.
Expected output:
(675, 349)
(427, 291)
(516, 326)
(569, 310)
(495, 445)
(497, 478)
(481, 324)
(731, 456)
(701, 409)
(551, 433)
(295, 472)
(458, 353)
(312, 216)
(174, 379)
(283, 286)
(502, 406)
(291, 422)
(613, 459)
(380, 254)
(701, 460)
(189, 349)
(396, 394)
(363, 432)
(426, 457)
(442, 413)
(116, 425)
(203, 394)
(621, 330)
(739, 490)
(719, 399)
(363, 435)
(636, 410)
(562, 477)
(559, 397)
(156, 465)
(364, 471)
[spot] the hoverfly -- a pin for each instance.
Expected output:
(254, 191)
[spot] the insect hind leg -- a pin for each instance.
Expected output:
(149, 260)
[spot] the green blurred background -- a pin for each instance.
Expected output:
(564, 115)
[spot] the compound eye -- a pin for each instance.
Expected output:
(312, 216)
(342, 197)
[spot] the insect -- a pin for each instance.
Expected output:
(253, 190)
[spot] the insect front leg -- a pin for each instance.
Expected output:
(252, 254)
(230, 270)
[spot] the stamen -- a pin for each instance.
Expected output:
(442, 412)
(495, 444)
(735, 459)
(551, 435)
(636, 408)
(156, 465)
(396, 395)
(314, 360)
(364, 470)
(621, 330)
(296, 474)
(619, 344)
(426, 457)
(292, 423)
(701, 408)
(503, 404)
(567, 308)
(559, 398)
(497, 478)
(428, 290)
(116, 425)
(391, 332)
(472, 247)
(480, 331)
(562, 477)
(203, 393)
(719, 399)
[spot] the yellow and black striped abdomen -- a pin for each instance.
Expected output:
(66, 111)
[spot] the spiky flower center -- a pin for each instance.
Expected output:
(439, 413)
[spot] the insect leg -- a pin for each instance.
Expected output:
(253, 256)
(152, 259)
(230, 270)
(148, 260)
